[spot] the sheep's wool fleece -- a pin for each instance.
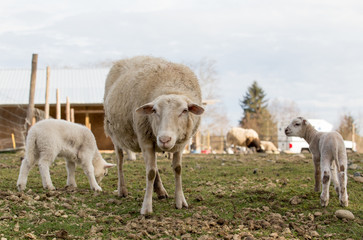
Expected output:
(239, 136)
(134, 82)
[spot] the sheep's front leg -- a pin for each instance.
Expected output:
(44, 164)
(316, 160)
(89, 170)
(71, 169)
(151, 170)
(121, 185)
(179, 195)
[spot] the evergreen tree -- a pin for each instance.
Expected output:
(255, 113)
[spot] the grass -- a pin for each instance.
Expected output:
(229, 197)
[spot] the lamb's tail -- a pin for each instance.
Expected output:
(31, 149)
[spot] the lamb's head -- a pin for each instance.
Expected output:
(297, 127)
(101, 167)
(170, 119)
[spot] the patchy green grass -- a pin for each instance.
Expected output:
(230, 197)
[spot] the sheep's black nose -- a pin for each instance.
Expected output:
(286, 130)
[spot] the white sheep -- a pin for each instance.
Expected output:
(243, 137)
(50, 138)
(269, 147)
(152, 105)
(329, 156)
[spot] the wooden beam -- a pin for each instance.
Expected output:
(68, 110)
(33, 79)
(13, 140)
(72, 115)
(89, 111)
(86, 120)
(46, 108)
(58, 109)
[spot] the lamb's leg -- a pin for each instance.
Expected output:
(159, 188)
(151, 170)
(334, 177)
(121, 185)
(342, 177)
(89, 170)
(179, 195)
(44, 163)
(326, 177)
(23, 174)
(317, 173)
(71, 169)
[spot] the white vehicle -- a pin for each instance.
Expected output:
(299, 145)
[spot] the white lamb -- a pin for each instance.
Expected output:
(269, 147)
(50, 138)
(329, 156)
(152, 105)
(244, 138)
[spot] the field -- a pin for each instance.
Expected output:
(255, 196)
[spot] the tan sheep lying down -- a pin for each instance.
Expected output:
(152, 105)
(269, 147)
(329, 156)
(50, 138)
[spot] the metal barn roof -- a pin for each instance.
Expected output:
(82, 86)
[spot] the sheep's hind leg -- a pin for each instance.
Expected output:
(23, 174)
(326, 177)
(121, 184)
(159, 188)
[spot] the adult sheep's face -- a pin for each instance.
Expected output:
(296, 127)
(170, 119)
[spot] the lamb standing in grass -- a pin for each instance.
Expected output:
(50, 138)
(152, 105)
(329, 156)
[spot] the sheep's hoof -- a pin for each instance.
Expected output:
(324, 203)
(21, 187)
(146, 211)
(162, 194)
(344, 203)
(51, 188)
(122, 192)
(97, 189)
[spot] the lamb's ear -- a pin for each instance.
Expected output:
(145, 109)
(109, 165)
(304, 121)
(195, 108)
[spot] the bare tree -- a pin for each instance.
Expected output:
(283, 110)
(214, 118)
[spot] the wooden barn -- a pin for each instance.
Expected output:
(83, 87)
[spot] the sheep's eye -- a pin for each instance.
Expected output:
(185, 110)
(297, 124)
(153, 110)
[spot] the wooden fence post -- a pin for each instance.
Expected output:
(13, 140)
(72, 115)
(68, 110)
(58, 109)
(33, 79)
(46, 108)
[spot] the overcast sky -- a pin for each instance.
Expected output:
(306, 51)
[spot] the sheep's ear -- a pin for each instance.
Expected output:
(145, 109)
(109, 165)
(304, 122)
(195, 108)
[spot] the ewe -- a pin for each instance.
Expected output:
(329, 156)
(243, 137)
(50, 138)
(152, 105)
